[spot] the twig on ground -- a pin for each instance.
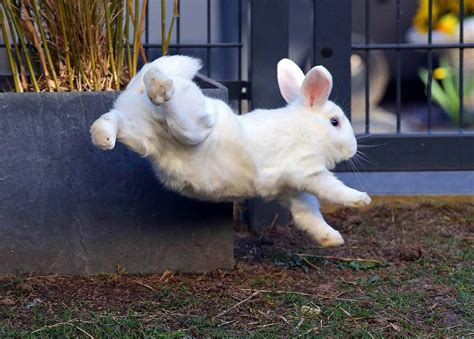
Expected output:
(308, 262)
(344, 280)
(400, 315)
(272, 224)
(254, 294)
(354, 320)
(69, 323)
(309, 331)
(167, 275)
(265, 315)
(146, 285)
(83, 331)
(230, 322)
(299, 324)
(51, 326)
(300, 293)
(332, 257)
(266, 325)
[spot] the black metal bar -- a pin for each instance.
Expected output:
(367, 67)
(266, 49)
(416, 152)
(208, 50)
(398, 70)
(332, 45)
(239, 57)
(147, 28)
(178, 29)
(430, 63)
(410, 46)
(269, 22)
(203, 45)
(461, 65)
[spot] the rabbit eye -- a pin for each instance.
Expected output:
(335, 122)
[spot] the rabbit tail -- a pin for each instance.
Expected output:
(178, 66)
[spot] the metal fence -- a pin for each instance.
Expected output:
(426, 150)
(230, 43)
(332, 46)
(258, 33)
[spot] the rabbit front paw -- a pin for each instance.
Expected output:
(103, 135)
(159, 87)
(359, 199)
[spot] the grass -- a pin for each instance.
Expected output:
(422, 288)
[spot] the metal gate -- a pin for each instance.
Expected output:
(332, 47)
(257, 35)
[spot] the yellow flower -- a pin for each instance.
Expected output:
(452, 6)
(440, 10)
(420, 21)
(440, 73)
(447, 23)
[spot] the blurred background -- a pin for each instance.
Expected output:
(218, 31)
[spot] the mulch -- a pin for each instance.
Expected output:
(399, 248)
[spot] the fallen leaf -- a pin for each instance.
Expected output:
(310, 311)
(395, 327)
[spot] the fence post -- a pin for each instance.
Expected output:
(268, 44)
(332, 45)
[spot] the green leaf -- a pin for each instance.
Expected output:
(450, 88)
(437, 93)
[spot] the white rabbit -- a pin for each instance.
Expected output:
(201, 149)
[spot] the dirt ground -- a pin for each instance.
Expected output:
(405, 270)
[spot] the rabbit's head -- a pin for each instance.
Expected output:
(309, 94)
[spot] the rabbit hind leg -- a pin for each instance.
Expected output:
(159, 87)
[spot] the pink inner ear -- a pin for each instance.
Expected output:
(317, 86)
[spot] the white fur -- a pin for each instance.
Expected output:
(200, 148)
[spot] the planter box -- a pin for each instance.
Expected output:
(68, 208)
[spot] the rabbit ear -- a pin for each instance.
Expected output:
(290, 78)
(317, 86)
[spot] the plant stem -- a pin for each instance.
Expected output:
(76, 48)
(119, 39)
(166, 43)
(62, 16)
(91, 46)
(11, 59)
(16, 49)
(135, 37)
(142, 24)
(21, 37)
(29, 23)
(164, 50)
(45, 46)
(110, 45)
(127, 33)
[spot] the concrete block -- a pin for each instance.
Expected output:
(69, 208)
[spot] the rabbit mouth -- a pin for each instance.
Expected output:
(346, 153)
